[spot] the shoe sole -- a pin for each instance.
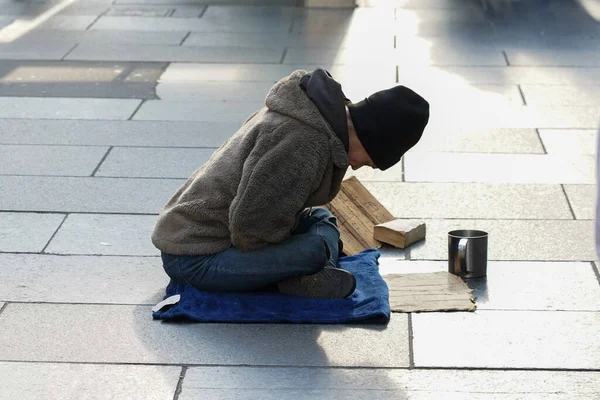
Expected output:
(329, 283)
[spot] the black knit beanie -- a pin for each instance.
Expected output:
(388, 123)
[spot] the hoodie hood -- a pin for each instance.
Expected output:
(287, 97)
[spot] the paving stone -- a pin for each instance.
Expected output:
(78, 194)
(127, 334)
(499, 168)
(571, 141)
(252, 16)
(542, 340)
(153, 162)
(28, 381)
(439, 96)
(510, 115)
(21, 232)
(68, 22)
(561, 95)
(309, 39)
(102, 37)
(79, 79)
(525, 240)
(480, 140)
(583, 200)
(140, 11)
(117, 133)
(50, 160)
(337, 383)
(34, 51)
(215, 91)
(82, 279)
(521, 285)
(427, 4)
(158, 110)
(483, 57)
(468, 200)
(366, 174)
(175, 53)
(275, 3)
(554, 58)
(269, 72)
(500, 75)
(66, 108)
(188, 24)
(127, 235)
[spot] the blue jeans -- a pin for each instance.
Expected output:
(313, 245)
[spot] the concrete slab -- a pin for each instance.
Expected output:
(480, 140)
(189, 24)
(314, 55)
(234, 112)
(561, 95)
(22, 232)
(525, 240)
(87, 234)
(29, 381)
(521, 285)
(35, 51)
(153, 162)
(553, 57)
(117, 133)
(499, 168)
(50, 160)
(543, 339)
(345, 74)
(102, 37)
(569, 141)
(82, 195)
(66, 108)
(79, 79)
(68, 22)
(308, 383)
(500, 75)
(583, 200)
(468, 200)
(82, 279)
(160, 53)
(213, 91)
(129, 335)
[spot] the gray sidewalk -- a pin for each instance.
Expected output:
(106, 108)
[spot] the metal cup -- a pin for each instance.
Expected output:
(467, 253)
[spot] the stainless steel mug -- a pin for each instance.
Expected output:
(467, 253)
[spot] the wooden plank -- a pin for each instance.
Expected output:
(357, 212)
(365, 201)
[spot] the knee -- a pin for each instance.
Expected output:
(323, 214)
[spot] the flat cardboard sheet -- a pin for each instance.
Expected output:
(428, 292)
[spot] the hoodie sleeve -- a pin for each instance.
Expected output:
(278, 176)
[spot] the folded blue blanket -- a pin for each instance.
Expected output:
(368, 304)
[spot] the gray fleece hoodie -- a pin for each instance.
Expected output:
(284, 158)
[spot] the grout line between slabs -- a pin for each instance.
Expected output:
(307, 366)
(411, 351)
(596, 271)
(187, 35)
(506, 58)
(101, 161)
(203, 12)
(522, 94)
(568, 202)
(541, 140)
(138, 108)
(285, 50)
(3, 307)
(68, 52)
(54, 234)
(180, 383)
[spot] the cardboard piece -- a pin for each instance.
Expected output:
(399, 233)
(429, 292)
(357, 211)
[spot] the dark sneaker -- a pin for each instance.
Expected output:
(328, 283)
